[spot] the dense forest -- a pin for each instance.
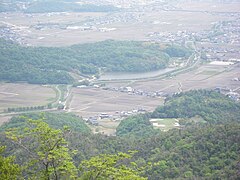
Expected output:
(42, 65)
(211, 106)
(208, 150)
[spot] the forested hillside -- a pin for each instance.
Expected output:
(41, 65)
(210, 106)
(213, 107)
(208, 150)
(197, 152)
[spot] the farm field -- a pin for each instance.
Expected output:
(94, 101)
(87, 102)
(205, 77)
(24, 95)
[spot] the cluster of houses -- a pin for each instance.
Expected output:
(234, 94)
(123, 17)
(168, 37)
(10, 34)
(118, 116)
(131, 91)
(228, 33)
(221, 53)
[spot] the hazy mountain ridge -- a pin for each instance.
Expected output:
(49, 6)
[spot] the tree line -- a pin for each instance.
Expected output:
(20, 109)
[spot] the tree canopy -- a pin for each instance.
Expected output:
(107, 166)
(8, 169)
(210, 105)
(55, 120)
(49, 157)
(138, 126)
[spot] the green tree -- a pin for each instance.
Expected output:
(50, 156)
(107, 166)
(8, 169)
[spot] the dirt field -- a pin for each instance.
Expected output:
(93, 101)
(88, 102)
(24, 95)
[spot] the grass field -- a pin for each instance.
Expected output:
(106, 126)
(165, 124)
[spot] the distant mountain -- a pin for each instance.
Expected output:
(48, 6)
